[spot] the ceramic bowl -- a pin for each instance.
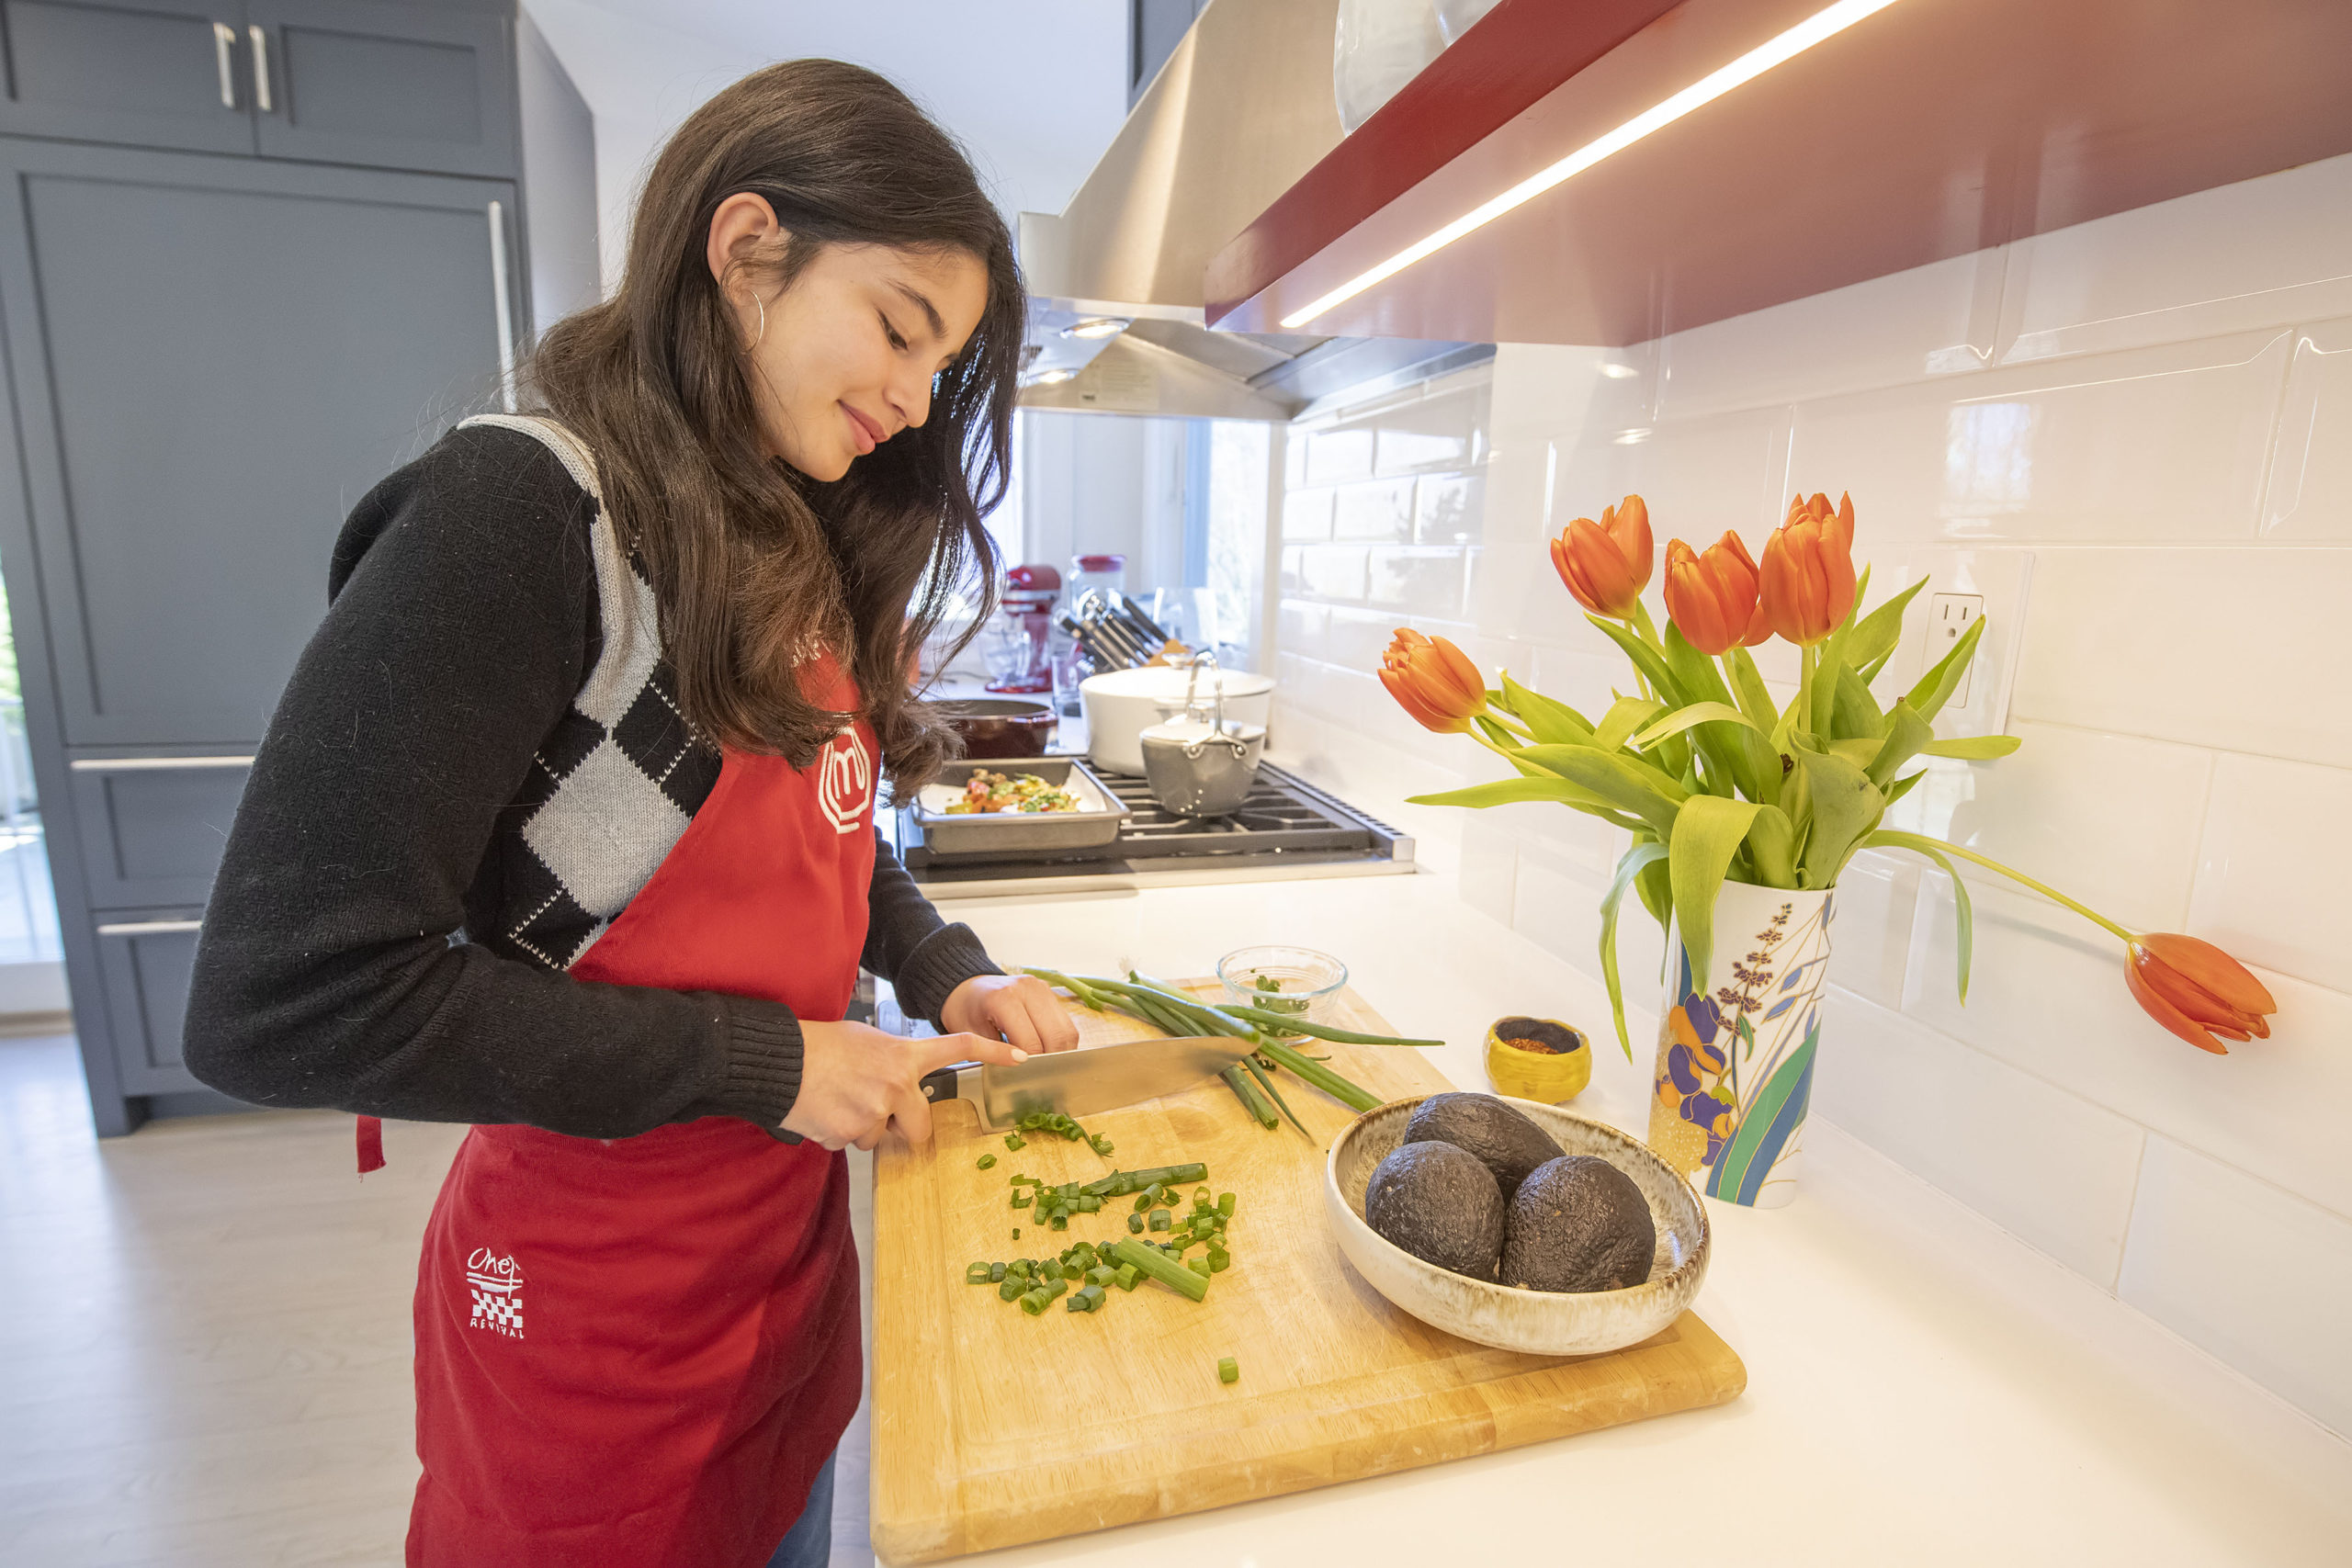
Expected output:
(1538, 1322)
(1551, 1077)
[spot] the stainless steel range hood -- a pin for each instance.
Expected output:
(1242, 109)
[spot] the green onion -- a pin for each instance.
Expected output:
(1355, 1096)
(1015, 1141)
(1228, 1370)
(1266, 1082)
(1155, 1264)
(1225, 1204)
(1135, 1225)
(1012, 1289)
(1060, 1222)
(1127, 1276)
(1200, 1266)
(1034, 1302)
(1022, 1200)
(1159, 1219)
(1290, 1024)
(1257, 1104)
(987, 1161)
(1086, 1300)
(976, 1274)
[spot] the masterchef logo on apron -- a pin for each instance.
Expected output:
(844, 781)
(497, 1286)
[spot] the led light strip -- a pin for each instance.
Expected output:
(1814, 29)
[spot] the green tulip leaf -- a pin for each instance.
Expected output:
(1625, 715)
(1707, 832)
(1497, 733)
(1682, 718)
(1693, 670)
(1748, 685)
(1858, 753)
(1936, 687)
(1629, 867)
(1552, 723)
(1963, 913)
(1729, 755)
(1626, 782)
(1976, 748)
(1876, 635)
(1902, 787)
(1907, 734)
(1772, 846)
(1537, 786)
(1657, 889)
(1648, 660)
(1855, 712)
(1844, 806)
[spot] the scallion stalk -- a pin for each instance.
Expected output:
(1155, 1264)
(1353, 1096)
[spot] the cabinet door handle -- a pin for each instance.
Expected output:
(506, 315)
(261, 66)
(152, 765)
(149, 927)
(224, 51)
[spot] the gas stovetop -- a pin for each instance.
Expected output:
(1286, 829)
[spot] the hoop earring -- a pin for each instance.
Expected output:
(763, 320)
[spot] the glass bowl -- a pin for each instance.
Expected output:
(1309, 981)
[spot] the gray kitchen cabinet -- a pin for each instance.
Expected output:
(151, 828)
(222, 322)
(144, 960)
(395, 85)
(213, 359)
(159, 72)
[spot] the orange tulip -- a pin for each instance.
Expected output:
(1434, 681)
(1713, 597)
(1806, 585)
(1607, 564)
(2197, 991)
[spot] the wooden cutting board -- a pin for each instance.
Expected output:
(992, 1427)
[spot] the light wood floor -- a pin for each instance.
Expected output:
(204, 1334)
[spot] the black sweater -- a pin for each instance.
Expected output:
(378, 938)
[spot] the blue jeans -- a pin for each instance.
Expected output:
(809, 1542)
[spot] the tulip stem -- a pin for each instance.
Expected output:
(2131, 939)
(1808, 659)
(1509, 722)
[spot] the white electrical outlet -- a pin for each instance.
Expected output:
(1948, 617)
(1963, 585)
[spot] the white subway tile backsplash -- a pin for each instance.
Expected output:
(2202, 645)
(2255, 1275)
(1430, 433)
(2311, 470)
(1450, 508)
(2110, 819)
(2165, 443)
(2261, 252)
(1329, 572)
(2271, 870)
(1353, 639)
(1929, 321)
(1699, 476)
(1375, 511)
(1306, 516)
(2049, 998)
(1419, 582)
(1335, 457)
(2051, 1167)
(1876, 894)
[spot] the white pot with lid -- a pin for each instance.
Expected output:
(1120, 704)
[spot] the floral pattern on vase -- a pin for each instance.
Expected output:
(1736, 1047)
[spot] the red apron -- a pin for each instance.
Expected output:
(636, 1352)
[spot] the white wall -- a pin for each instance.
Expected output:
(2158, 408)
(1035, 89)
(1104, 483)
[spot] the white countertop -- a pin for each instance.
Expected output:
(1923, 1388)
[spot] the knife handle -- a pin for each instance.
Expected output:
(943, 1083)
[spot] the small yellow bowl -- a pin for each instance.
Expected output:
(1551, 1077)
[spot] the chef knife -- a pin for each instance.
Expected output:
(1088, 1080)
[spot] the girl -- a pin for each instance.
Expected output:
(564, 828)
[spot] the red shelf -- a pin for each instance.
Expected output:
(1930, 130)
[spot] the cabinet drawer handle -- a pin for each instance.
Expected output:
(152, 765)
(224, 49)
(506, 315)
(261, 67)
(149, 927)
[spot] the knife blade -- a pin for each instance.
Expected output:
(1086, 1080)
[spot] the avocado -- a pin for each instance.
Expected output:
(1441, 1204)
(1508, 1142)
(1578, 1224)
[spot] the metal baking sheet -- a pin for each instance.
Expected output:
(1094, 826)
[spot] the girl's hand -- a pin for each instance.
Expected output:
(857, 1082)
(1018, 1007)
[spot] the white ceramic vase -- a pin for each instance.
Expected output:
(1736, 1046)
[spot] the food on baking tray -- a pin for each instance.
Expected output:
(990, 793)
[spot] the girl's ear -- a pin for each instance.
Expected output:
(743, 222)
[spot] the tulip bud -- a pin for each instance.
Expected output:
(2197, 990)
(1434, 681)
(1607, 564)
(1713, 597)
(1805, 587)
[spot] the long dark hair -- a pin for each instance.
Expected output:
(751, 563)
